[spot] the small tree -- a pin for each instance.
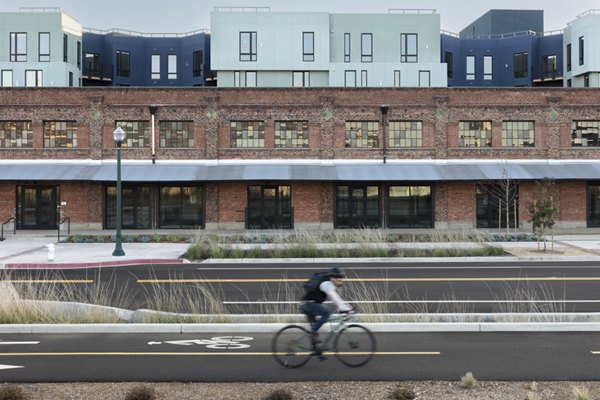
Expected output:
(543, 210)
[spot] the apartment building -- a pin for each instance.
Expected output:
(504, 48)
(40, 48)
(259, 48)
(124, 58)
(582, 58)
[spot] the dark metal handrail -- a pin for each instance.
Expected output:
(6, 223)
(68, 226)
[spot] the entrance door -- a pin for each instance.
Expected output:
(36, 207)
(269, 207)
(593, 206)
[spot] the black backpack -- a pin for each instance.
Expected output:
(315, 280)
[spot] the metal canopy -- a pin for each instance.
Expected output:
(302, 170)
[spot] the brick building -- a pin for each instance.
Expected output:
(315, 158)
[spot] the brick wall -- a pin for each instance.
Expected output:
(95, 111)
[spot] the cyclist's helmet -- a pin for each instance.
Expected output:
(337, 273)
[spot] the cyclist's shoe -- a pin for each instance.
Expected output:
(317, 352)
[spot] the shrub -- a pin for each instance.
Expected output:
(401, 393)
(279, 394)
(468, 381)
(11, 392)
(581, 393)
(141, 392)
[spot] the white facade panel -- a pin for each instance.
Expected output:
(382, 49)
(278, 40)
(34, 56)
(585, 28)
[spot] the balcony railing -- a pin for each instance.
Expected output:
(97, 71)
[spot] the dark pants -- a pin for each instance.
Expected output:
(314, 310)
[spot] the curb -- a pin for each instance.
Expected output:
(482, 327)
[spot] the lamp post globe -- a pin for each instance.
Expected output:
(119, 136)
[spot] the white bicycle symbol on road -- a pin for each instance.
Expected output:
(218, 342)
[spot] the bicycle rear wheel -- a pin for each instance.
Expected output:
(291, 346)
(354, 345)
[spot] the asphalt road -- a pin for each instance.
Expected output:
(392, 287)
(410, 356)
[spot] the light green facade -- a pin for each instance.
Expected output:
(585, 28)
(279, 50)
(50, 70)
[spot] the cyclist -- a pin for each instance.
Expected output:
(320, 287)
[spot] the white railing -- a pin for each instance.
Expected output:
(126, 32)
(411, 11)
(243, 9)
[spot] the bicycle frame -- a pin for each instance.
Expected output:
(336, 323)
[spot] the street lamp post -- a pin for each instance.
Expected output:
(119, 136)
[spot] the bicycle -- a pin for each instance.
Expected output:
(353, 344)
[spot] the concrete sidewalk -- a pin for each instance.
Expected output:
(30, 251)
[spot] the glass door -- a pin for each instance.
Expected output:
(36, 207)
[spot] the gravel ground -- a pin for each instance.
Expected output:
(315, 390)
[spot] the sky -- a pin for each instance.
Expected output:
(180, 16)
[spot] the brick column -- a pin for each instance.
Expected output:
(96, 125)
(327, 127)
(212, 127)
(441, 127)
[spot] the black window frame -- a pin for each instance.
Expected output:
(470, 75)
(123, 64)
(405, 52)
(16, 51)
(585, 133)
(366, 55)
(581, 50)
(250, 55)
(421, 210)
(44, 57)
(197, 65)
(357, 211)
(308, 55)
(178, 221)
(549, 67)
(568, 57)
(521, 65)
(347, 48)
(65, 47)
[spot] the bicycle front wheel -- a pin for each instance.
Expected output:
(354, 345)
(291, 346)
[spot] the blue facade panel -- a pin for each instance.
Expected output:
(139, 51)
(514, 60)
(498, 22)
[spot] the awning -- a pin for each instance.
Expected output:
(299, 170)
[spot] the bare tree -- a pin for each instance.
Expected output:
(543, 210)
(504, 192)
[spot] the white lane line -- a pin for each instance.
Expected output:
(4, 366)
(1, 342)
(423, 301)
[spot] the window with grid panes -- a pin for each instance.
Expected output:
(176, 134)
(475, 133)
(291, 134)
(405, 134)
(585, 134)
(518, 134)
(60, 134)
(137, 133)
(16, 134)
(247, 134)
(362, 134)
